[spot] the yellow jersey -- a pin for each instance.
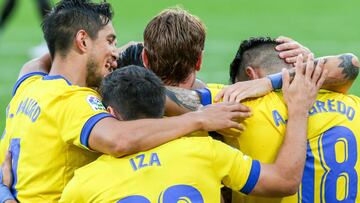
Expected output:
(189, 169)
(48, 123)
(331, 169)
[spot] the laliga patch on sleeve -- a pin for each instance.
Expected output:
(95, 103)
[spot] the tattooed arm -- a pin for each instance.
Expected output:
(180, 101)
(342, 72)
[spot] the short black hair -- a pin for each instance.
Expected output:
(134, 92)
(131, 56)
(68, 17)
(257, 52)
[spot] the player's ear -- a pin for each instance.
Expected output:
(251, 73)
(82, 40)
(199, 62)
(145, 58)
(112, 111)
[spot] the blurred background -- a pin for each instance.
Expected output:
(326, 27)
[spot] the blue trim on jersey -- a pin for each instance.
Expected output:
(85, 132)
(55, 77)
(23, 78)
(276, 80)
(205, 96)
(253, 177)
(5, 193)
(15, 153)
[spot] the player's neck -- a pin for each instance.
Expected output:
(189, 82)
(73, 68)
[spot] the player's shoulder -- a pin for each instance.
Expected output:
(346, 98)
(189, 145)
(73, 191)
(89, 170)
(274, 98)
(65, 86)
(195, 139)
(76, 92)
(68, 91)
(215, 85)
(355, 99)
(26, 80)
(63, 89)
(204, 144)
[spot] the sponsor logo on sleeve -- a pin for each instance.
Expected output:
(95, 103)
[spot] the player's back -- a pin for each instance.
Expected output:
(332, 167)
(189, 169)
(40, 135)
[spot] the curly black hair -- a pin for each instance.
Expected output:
(243, 58)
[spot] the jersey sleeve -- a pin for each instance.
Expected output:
(26, 79)
(82, 111)
(236, 170)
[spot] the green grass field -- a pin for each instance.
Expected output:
(326, 27)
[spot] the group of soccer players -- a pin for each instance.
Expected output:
(58, 125)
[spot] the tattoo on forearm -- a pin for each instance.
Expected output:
(185, 98)
(349, 69)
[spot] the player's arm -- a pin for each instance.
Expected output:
(119, 138)
(6, 181)
(343, 69)
(342, 72)
(38, 65)
(10, 201)
(179, 100)
(284, 176)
